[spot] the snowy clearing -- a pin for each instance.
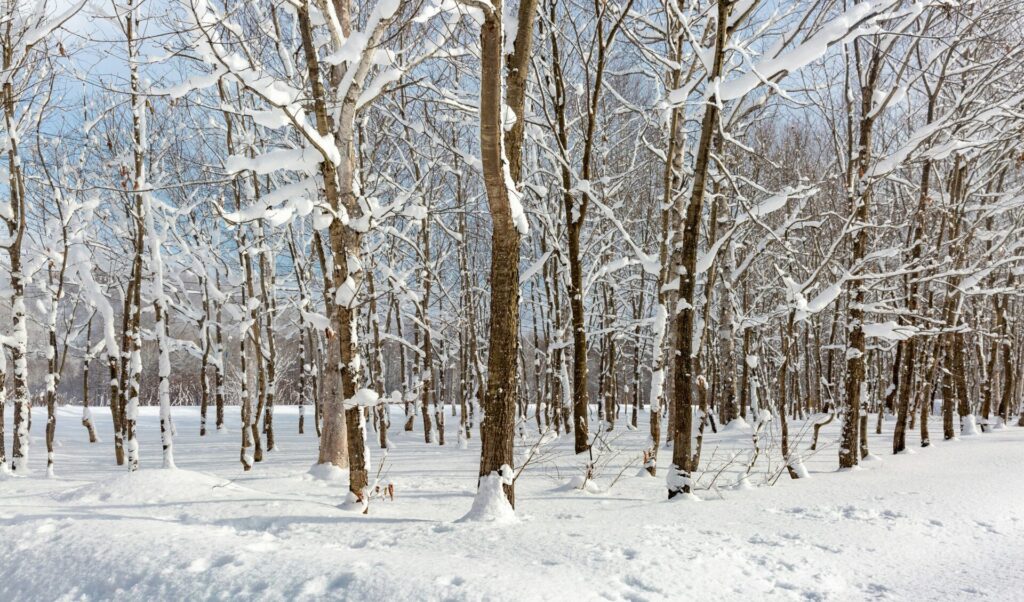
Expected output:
(737, 243)
(944, 522)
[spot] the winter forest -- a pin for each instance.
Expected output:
(464, 299)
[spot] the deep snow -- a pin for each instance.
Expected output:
(941, 523)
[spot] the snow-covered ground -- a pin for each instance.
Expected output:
(941, 523)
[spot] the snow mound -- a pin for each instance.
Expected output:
(644, 473)
(353, 503)
(490, 504)
(327, 472)
(548, 436)
(584, 485)
(737, 424)
(153, 486)
(685, 497)
(797, 465)
(679, 481)
(743, 484)
(969, 426)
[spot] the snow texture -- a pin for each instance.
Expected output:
(939, 524)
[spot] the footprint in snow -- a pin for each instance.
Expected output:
(452, 581)
(315, 587)
(761, 541)
(877, 591)
(567, 516)
(225, 560)
(827, 548)
(639, 584)
(341, 581)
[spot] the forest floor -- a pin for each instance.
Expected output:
(941, 523)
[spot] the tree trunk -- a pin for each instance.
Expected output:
(679, 478)
(860, 194)
(497, 429)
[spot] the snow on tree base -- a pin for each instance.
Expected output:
(737, 424)
(644, 473)
(490, 504)
(678, 481)
(797, 465)
(969, 426)
(355, 504)
(685, 497)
